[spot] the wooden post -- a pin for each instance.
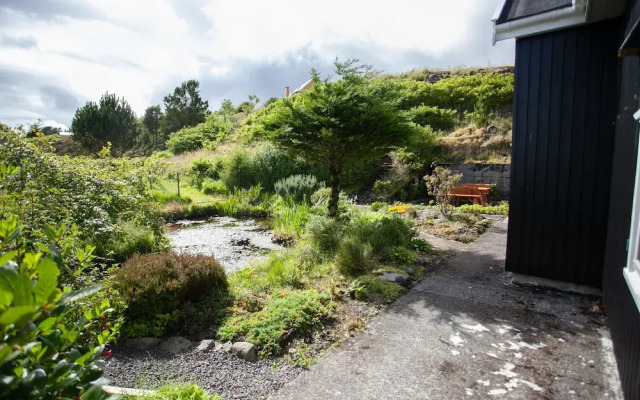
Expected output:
(178, 180)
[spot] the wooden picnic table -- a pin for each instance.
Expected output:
(476, 193)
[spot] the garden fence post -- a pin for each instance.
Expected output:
(178, 180)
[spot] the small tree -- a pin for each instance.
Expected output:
(110, 120)
(340, 123)
(151, 120)
(184, 107)
(440, 183)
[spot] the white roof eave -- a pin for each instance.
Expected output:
(561, 18)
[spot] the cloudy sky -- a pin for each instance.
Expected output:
(55, 55)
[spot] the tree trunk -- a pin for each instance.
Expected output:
(335, 191)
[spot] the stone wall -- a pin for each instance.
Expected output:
(498, 174)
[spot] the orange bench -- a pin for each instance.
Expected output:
(475, 193)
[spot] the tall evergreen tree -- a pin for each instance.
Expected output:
(109, 120)
(340, 123)
(184, 107)
(151, 120)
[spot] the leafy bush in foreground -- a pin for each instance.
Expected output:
(45, 353)
(286, 316)
(167, 292)
(355, 257)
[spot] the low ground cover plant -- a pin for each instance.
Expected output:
(185, 391)
(285, 316)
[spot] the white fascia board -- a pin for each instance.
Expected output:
(540, 23)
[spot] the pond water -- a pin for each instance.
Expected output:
(233, 242)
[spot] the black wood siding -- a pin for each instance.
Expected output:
(623, 316)
(564, 112)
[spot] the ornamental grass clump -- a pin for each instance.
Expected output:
(171, 293)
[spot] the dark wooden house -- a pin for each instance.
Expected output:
(575, 186)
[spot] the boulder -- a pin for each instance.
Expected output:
(400, 279)
(176, 344)
(245, 350)
(226, 347)
(143, 343)
(206, 345)
(411, 271)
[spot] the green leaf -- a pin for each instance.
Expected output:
(18, 315)
(8, 256)
(47, 323)
(71, 297)
(46, 288)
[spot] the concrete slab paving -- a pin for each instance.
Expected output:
(467, 332)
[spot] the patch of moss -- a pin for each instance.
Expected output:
(371, 288)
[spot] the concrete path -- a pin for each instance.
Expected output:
(467, 332)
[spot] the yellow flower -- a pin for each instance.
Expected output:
(400, 209)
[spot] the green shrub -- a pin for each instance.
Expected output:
(130, 239)
(202, 169)
(237, 171)
(390, 187)
(371, 288)
(325, 234)
(299, 187)
(421, 246)
(399, 255)
(45, 353)
(188, 391)
(355, 257)
(86, 196)
(381, 231)
(211, 187)
(160, 288)
(501, 209)
(379, 205)
(282, 270)
(196, 137)
(286, 316)
(321, 196)
(437, 118)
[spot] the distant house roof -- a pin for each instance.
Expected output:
(304, 87)
(521, 18)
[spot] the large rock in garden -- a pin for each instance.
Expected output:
(143, 343)
(400, 279)
(176, 344)
(226, 347)
(245, 350)
(206, 345)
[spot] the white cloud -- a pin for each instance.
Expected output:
(137, 49)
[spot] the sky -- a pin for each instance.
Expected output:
(56, 55)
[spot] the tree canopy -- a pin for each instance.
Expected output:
(151, 120)
(109, 120)
(340, 123)
(184, 107)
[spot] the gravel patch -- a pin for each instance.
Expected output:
(216, 371)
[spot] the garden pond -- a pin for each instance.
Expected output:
(235, 243)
